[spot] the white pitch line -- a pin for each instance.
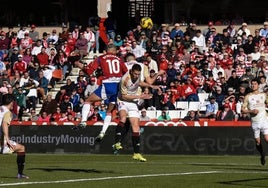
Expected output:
(108, 178)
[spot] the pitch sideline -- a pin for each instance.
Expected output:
(108, 178)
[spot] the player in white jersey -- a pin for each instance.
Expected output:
(8, 146)
(255, 104)
(128, 96)
(145, 77)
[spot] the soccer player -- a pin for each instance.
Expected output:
(113, 68)
(128, 97)
(8, 146)
(254, 104)
(130, 61)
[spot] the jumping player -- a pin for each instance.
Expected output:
(113, 68)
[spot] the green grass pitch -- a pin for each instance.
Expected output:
(116, 171)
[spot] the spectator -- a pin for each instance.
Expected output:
(44, 118)
(143, 116)
(33, 34)
(226, 115)
(20, 65)
(65, 104)
(95, 116)
(191, 116)
(49, 105)
(91, 87)
(164, 116)
(211, 109)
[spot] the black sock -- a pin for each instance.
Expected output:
(125, 129)
(20, 161)
(136, 142)
(260, 149)
(118, 132)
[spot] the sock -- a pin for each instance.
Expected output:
(136, 142)
(125, 129)
(260, 149)
(20, 161)
(85, 112)
(106, 123)
(118, 131)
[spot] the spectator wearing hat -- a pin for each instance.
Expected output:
(243, 29)
(207, 30)
(65, 104)
(226, 114)
(118, 41)
(33, 34)
(143, 116)
(91, 87)
(264, 30)
(176, 31)
(20, 65)
(211, 108)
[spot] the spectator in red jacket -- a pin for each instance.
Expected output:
(43, 57)
(189, 91)
(20, 65)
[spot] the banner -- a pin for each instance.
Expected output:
(154, 140)
(175, 123)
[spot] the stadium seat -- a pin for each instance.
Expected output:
(182, 105)
(183, 113)
(174, 114)
(151, 114)
(158, 113)
(194, 105)
(202, 97)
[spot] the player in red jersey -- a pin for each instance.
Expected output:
(113, 68)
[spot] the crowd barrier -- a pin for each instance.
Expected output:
(208, 138)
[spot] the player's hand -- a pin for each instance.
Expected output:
(161, 72)
(255, 112)
(146, 96)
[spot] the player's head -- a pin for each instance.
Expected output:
(111, 48)
(255, 84)
(130, 57)
(7, 99)
(135, 72)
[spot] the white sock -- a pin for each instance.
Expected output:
(85, 111)
(106, 123)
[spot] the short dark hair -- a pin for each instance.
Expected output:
(255, 80)
(136, 67)
(7, 99)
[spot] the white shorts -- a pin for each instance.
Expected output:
(6, 149)
(130, 107)
(260, 127)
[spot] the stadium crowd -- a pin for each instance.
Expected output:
(219, 63)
